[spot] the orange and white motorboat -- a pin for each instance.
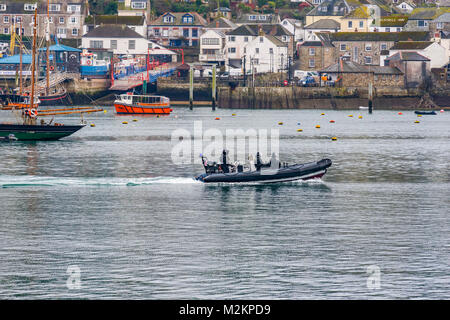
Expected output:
(142, 104)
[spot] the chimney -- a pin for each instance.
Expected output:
(217, 24)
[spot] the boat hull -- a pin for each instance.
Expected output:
(431, 113)
(305, 171)
(142, 110)
(37, 132)
(61, 99)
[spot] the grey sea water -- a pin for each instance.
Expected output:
(108, 202)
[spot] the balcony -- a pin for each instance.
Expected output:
(212, 57)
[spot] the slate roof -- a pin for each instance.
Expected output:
(331, 8)
(112, 31)
(428, 13)
(26, 59)
(443, 18)
(276, 41)
(312, 44)
(253, 30)
(270, 18)
(324, 24)
(374, 36)
(411, 45)
(115, 19)
(352, 67)
(222, 23)
(407, 56)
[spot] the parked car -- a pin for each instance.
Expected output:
(224, 76)
(308, 81)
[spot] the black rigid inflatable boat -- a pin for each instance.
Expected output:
(263, 173)
(432, 113)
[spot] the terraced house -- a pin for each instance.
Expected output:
(177, 29)
(66, 17)
(420, 18)
(366, 48)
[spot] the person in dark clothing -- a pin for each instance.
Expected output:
(258, 164)
(225, 165)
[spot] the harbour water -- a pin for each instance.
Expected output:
(109, 203)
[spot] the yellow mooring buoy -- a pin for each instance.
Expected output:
(280, 123)
(299, 130)
(135, 120)
(317, 127)
(125, 122)
(334, 138)
(417, 121)
(360, 117)
(92, 124)
(322, 114)
(350, 115)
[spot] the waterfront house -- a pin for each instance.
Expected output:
(119, 39)
(66, 17)
(329, 9)
(441, 23)
(266, 53)
(62, 58)
(366, 48)
(316, 55)
(177, 29)
(212, 44)
(415, 67)
(358, 20)
(240, 37)
(432, 50)
(323, 25)
(352, 74)
(136, 23)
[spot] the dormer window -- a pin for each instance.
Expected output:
(168, 19)
(73, 8)
(252, 17)
(29, 6)
(262, 17)
(2, 7)
(138, 5)
(188, 19)
(55, 7)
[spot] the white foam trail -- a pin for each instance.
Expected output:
(30, 181)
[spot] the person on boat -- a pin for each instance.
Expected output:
(225, 165)
(259, 163)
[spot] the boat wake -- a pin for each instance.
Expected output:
(39, 181)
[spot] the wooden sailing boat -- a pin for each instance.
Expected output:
(29, 129)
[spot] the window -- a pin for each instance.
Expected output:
(138, 5)
(256, 50)
(368, 60)
(368, 47)
(231, 38)
(312, 51)
(440, 25)
(188, 19)
(262, 17)
(96, 44)
(29, 6)
(165, 33)
(231, 50)
(403, 6)
(350, 24)
(271, 50)
(74, 31)
(6, 19)
(54, 7)
(186, 33)
(245, 39)
(342, 47)
(18, 19)
(156, 31)
(387, 30)
(245, 49)
(312, 63)
(6, 30)
(63, 31)
(383, 46)
(194, 33)
(285, 38)
(50, 19)
(252, 17)
(355, 54)
(255, 61)
(73, 20)
(361, 24)
(210, 41)
(261, 39)
(194, 43)
(131, 44)
(168, 19)
(399, 29)
(422, 23)
(2, 7)
(73, 8)
(61, 20)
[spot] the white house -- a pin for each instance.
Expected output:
(119, 39)
(212, 44)
(266, 54)
(405, 7)
(432, 50)
(293, 26)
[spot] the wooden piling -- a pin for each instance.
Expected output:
(213, 95)
(191, 88)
